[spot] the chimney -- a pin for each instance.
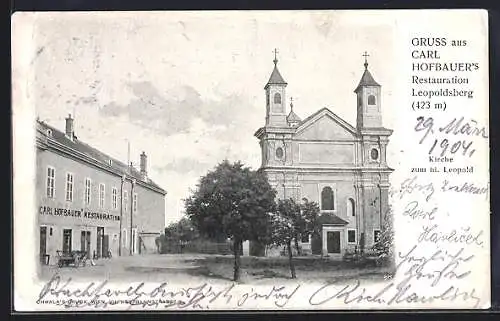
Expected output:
(144, 164)
(69, 127)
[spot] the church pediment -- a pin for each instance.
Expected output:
(325, 125)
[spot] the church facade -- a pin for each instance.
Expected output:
(326, 160)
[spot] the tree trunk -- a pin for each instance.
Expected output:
(236, 250)
(290, 260)
(297, 247)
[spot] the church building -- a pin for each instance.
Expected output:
(325, 159)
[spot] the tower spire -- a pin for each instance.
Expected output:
(366, 61)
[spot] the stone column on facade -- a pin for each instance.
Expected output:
(384, 201)
(358, 211)
(383, 157)
(324, 245)
(363, 216)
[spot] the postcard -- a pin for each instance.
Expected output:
(251, 160)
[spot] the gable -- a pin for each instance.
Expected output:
(325, 127)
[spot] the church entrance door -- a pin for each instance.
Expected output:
(333, 242)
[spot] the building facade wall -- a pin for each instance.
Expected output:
(83, 217)
(51, 209)
(149, 218)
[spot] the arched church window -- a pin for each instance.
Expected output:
(351, 209)
(372, 100)
(374, 153)
(277, 98)
(327, 199)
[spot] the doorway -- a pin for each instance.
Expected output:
(67, 240)
(105, 246)
(333, 242)
(100, 234)
(85, 242)
(43, 243)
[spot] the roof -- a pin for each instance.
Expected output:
(292, 117)
(337, 118)
(366, 80)
(301, 124)
(98, 156)
(330, 218)
(276, 78)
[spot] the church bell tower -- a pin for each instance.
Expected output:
(368, 94)
(275, 98)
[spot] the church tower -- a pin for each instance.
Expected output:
(369, 121)
(372, 185)
(368, 94)
(275, 98)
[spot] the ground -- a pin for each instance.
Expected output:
(215, 268)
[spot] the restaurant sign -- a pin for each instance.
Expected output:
(47, 210)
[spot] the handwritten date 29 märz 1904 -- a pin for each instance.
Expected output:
(445, 146)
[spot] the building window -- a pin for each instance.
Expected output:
(327, 201)
(134, 204)
(351, 236)
(88, 190)
(374, 153)
(125, 201)
(376, 236)
(51, 179)
(351, 209)
(372, 100)
(305, 238)
(277, 98)
(69, 187)
(114, 197)
(101, 195)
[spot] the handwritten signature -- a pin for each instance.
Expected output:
(411, 185)
(463, 235)
(413, 211)
(431, 267)
(421, 266)
(57, 292)
(391, 294)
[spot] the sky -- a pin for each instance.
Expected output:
(187, 88)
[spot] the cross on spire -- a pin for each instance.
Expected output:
(291, 103)
(366, 62)
(275, 56)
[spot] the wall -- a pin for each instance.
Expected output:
(80, 171)
(150, 215)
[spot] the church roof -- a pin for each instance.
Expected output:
(292, 117)
(329, 218)
(366, 79)
(334, 116)
(276, 78)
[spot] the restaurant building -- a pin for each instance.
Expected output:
(89, 201)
